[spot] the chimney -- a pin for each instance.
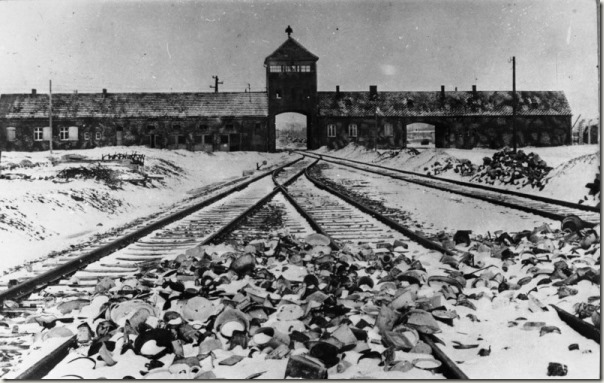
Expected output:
(104, 92)
(474, 90)
(373, 91)
(33, 92)
(337, 90)
(456, 89)
(442, 91)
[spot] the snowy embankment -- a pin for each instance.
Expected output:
(42, 212)
(573, 167)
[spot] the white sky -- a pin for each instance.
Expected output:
(161, 45)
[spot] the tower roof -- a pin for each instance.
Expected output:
(291, 50)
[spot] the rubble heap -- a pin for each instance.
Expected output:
(284, 307)
(508, 168)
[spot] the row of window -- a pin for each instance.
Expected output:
(71, 133)
(353, 130)
(177, 127)
(43, 134)
(290, 68)
(294, 93)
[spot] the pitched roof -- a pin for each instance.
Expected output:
(145, 105)
(291, 49)
(427, 104)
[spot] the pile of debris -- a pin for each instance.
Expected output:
(463, 167)
(593, 190)
(98, 172)
(285, 307)
(509, 168)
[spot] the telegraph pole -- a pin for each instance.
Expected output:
(514, 102)
(216, 83)
(50, 114)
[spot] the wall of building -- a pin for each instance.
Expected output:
(451, 132)
(209, 134)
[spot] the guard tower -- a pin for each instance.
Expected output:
(291, 84)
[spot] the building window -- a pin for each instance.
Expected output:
(11, 134)
(275, 68)
(331, 130)
(388, 129)
(181, 139)
(257, 126)
(352, 130)
(98, 136)
(176, 128)
(86, 136)
(38, 134)
(203, 127)
(150, 128)
(198, 139)
(278, 94)
(229, 126)
(64, 134)
(72, 134)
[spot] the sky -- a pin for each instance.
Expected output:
(177, 46)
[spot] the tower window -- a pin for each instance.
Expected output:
(331, 130)
(278, 94)
(352, 130)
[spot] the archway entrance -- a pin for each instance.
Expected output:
(421, 135)
(290, 131)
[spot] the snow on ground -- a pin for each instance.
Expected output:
(44, 213)
(573, 166)
(436, 210)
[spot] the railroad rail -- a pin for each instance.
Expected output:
(543, 206)
(238, 213)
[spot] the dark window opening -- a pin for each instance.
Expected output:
(229, 126)
(203, 127)
(257, 126)
(278, 94)
(150, 128)
(198, 139)
(176, 128)
(119, 129)
(181, 140)
(410, 103)
(224, 138)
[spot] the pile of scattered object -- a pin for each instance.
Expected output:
(300, 308)
(593, 190)
(507, 167)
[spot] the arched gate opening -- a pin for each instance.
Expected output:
(291, 131)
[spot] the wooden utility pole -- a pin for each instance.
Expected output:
(50, 114)
(514, 102)
(216, 83)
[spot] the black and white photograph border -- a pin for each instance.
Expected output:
(281, 189)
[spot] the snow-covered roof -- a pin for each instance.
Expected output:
(129, 105)
(290, 50)
(426, 104)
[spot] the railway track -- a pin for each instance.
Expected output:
(298, 205)
(546, 207)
